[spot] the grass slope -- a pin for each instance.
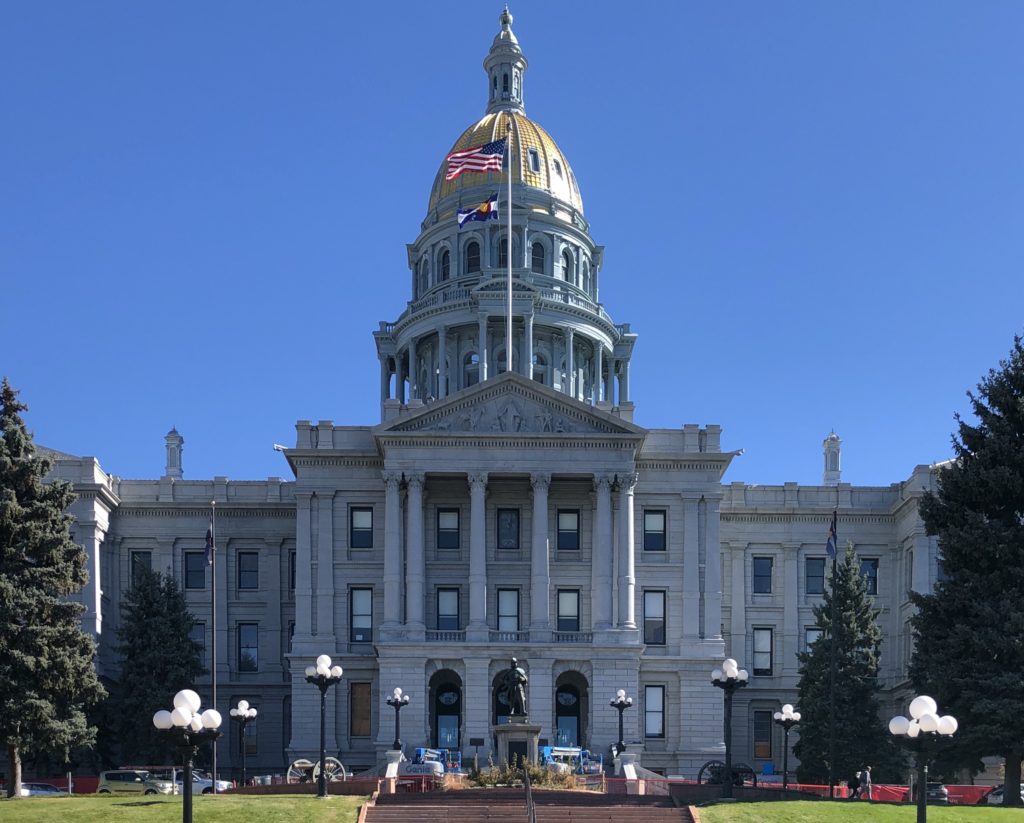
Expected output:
(222, 809)
(809, 811)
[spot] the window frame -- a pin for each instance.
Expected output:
(240, 629)
(501, 616)
(135, 564)
(572, 624)
(762, 721)
(761, 631)
(498, 529)
(808, 630)
(570, 537)
(755, 577)
(652, 537)
(472, 257)
(245, 574)
(187, 583)
(657, 714)
(360, 692)
(650, 627)
(356, 632)
(360, 537)
(538, 256)
(870, 579)
(448, 621)
(449, 539)
(819, 579)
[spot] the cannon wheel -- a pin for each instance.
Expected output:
(334, 769)
(711, 772)
(741, 773)
(301, 771)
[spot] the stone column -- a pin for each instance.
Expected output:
(920, 572)
(481, 348)
(712, 572)
(90, 537)
(442, 362)
(540, 579)
(412, 370)
(613, 370)
(624, 383)
(738, 600)
(627, 554)
(478, 554)
(416, 570)
(601, 580)
(789, 646)
(691, 569)
(392, 549)
(528, 346)
(598, 371)
(570, 365)
(325, 563)
(303, 565)
(385, 381)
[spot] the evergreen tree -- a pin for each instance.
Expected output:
(47, 677)
(969, 632)
(158, 659)
(861, 738)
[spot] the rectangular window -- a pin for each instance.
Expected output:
(141, 562)
(534, 160)
(869, 571)
(508, 610)
(762, 735)
(654, 618)
(360, 615)
(197, 634)
(448, 528)
(448, 610)
(248, 647)
(568, 610)
(359, 710)
(291, 570)
(762, 575)
(811, 634)
(814, 570)
(248, 570)
(568, 529)
(195, 570)
(763, 652)
(654, 530)
(654, 711)
(360, 528)
(508, 528)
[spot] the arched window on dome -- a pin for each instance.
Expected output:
(470, 370)
(567, 268)
(424, 281)
(500, 361)
(586, 277)
(472, 257)
(537, 258)
(502, 251)
(558, 167)
(494, 86)
(504, 85)
(445, 265)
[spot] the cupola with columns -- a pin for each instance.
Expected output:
(452, 333)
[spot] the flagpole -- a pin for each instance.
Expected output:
(508, 319)
(213, 608)
(832, 661)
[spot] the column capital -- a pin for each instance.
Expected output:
(391, 479)
(414, 479)
(540, 481)
(603, 482)
(477, 479)
(627, 482)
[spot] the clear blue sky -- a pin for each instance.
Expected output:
(812, 212)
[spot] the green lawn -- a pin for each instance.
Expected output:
(222, 809)
(809, 811)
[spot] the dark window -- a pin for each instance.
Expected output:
(567, 716)
(361, 616)
(762, 575)
(195, 570)
(815, 570)
(448, 528)
(141, 562)
(763, 652)
(291, 570)
(503, 252)
(654, 711)
(534, 163)
(568, 529)
(472, 257)
(568, 610)
(359, 710)
(448, 610)
(508, 528)
(762, 735)
(446, 264)
(566, 266)
(197, 634)
(508, 610)
(869, 571)
(360, 528)
(811, 634)
(248, 570)
(654, 618)
(248, 647)
(537, 258)
(940, 571)
(447, 715)
(504, 82)
(558, 167)
(654, 530)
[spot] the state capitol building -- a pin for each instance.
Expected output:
(495, 512)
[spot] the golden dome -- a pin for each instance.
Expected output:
(536, 161)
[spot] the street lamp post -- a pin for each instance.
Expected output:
(323, 675)
(621, 703)
(188, 729)
(244, 715)
(921, 734)
(398, 701)
(729, 678)
(787, 718)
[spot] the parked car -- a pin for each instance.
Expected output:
(937, 794)
(132, 781)
(41, 790)
(995, 797)
(201, 784)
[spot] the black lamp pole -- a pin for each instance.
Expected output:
(787, 718)
(398, 701)
(244, 714)
(729, 678)
(621, 702)
(323, 676)
(187, 729)
(921, 734)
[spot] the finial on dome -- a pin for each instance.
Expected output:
(505, 18)
(505, 66)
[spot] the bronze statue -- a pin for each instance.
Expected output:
(513, 689)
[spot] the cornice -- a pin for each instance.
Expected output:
(822, 517)
(281, 510)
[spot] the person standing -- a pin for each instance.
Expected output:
(865, 783)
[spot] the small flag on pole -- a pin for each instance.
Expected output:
(830, 543)
(488, 210)
(478, 158)
(209, 545)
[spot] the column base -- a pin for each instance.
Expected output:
(479, 633)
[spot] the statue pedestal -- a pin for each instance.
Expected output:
(517, 739)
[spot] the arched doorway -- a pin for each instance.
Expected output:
(572, 707)
(446, 710)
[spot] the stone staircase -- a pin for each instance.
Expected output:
(509, 806)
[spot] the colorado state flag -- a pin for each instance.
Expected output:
(488, 210)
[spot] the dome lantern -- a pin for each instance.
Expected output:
(505, 66)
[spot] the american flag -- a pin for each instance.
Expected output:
(209, 545)
(830, 543)
(478, 158)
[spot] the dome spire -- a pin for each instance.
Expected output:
(505, 66)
